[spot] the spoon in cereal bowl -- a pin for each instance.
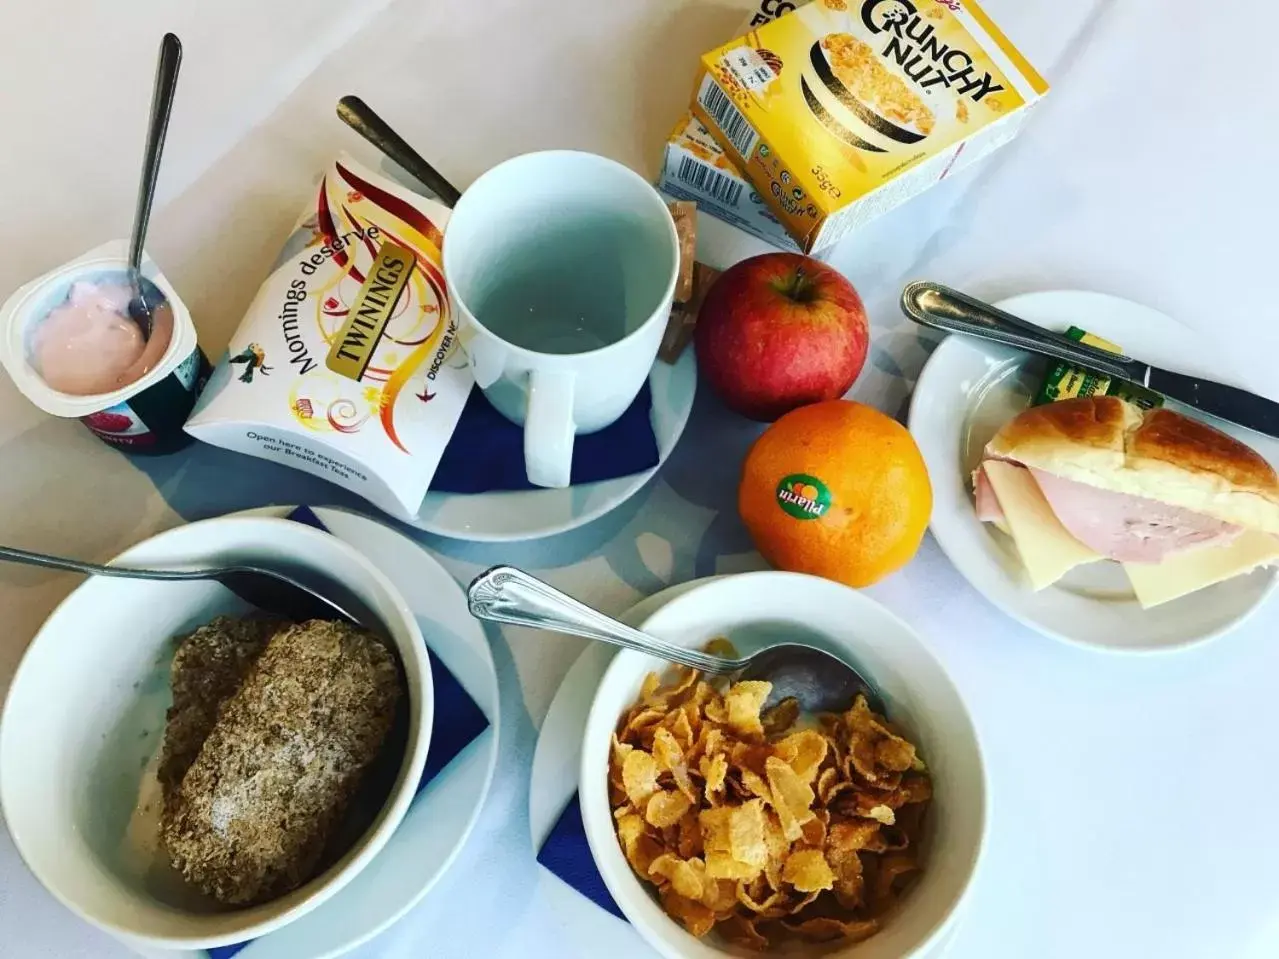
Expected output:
(818, 680)
(279, 591)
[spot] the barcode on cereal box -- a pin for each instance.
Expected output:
(706, 179)
(726, 115)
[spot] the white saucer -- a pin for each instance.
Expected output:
(530, 514)
(445, 812)
(970, 387)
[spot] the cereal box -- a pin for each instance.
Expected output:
(843, 109)
(696, 168)
(766, 11)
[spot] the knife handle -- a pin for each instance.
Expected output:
(940, 307)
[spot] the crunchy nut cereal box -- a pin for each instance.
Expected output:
(843, 109)
(695, 168)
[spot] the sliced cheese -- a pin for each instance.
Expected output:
(1176, 576)
(1047, 549)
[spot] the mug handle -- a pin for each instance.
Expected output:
(549, 429)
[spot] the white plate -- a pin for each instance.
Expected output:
(530, 514)
(444, 814)
(969, 388)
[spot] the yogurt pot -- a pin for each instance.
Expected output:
(144, 415)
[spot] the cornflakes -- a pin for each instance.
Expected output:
(808, 871)
(762, 824)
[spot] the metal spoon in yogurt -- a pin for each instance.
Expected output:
(166, 81)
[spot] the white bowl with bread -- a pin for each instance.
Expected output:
(1097, 519)
(288, 756)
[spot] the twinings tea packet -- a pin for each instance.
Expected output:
(1065, 381)
(843, 109)
(346, 364)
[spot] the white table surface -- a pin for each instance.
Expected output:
(1132, 798)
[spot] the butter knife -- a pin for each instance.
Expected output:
(940, 307)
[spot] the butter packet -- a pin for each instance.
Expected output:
(346, 364)
(1065, 381)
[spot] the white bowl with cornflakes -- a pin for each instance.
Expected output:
(920, 701)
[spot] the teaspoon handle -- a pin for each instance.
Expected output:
(359, 116)
(166, 81)
(14, 555)
(505, 594)
(11, 554)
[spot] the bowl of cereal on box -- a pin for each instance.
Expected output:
(727, 822)
(188, 772)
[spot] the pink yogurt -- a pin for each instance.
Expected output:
(89, 344)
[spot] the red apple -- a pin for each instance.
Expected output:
(778, 331)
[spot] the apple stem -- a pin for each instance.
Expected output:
(799, 289)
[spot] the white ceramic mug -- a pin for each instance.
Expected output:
(561, 267)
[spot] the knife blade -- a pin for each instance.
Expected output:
(940, 307)
(1229, 403)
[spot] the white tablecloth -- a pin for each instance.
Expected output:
(1132, 804)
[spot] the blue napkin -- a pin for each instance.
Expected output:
(486, 451)
(567, 853)
(458, 720)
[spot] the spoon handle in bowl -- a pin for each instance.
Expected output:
(11, 554)
(505, 594)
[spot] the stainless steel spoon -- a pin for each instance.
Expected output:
(819, 680)
(166, 81)
(290, 592)
(359, 116)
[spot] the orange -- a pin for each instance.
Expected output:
(836, 489)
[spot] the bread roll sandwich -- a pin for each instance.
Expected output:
(1181, 505)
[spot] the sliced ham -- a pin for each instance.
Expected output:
(988, 508)
(1130, 529)
(1122, 527)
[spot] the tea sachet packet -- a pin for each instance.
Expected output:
(346, 364)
